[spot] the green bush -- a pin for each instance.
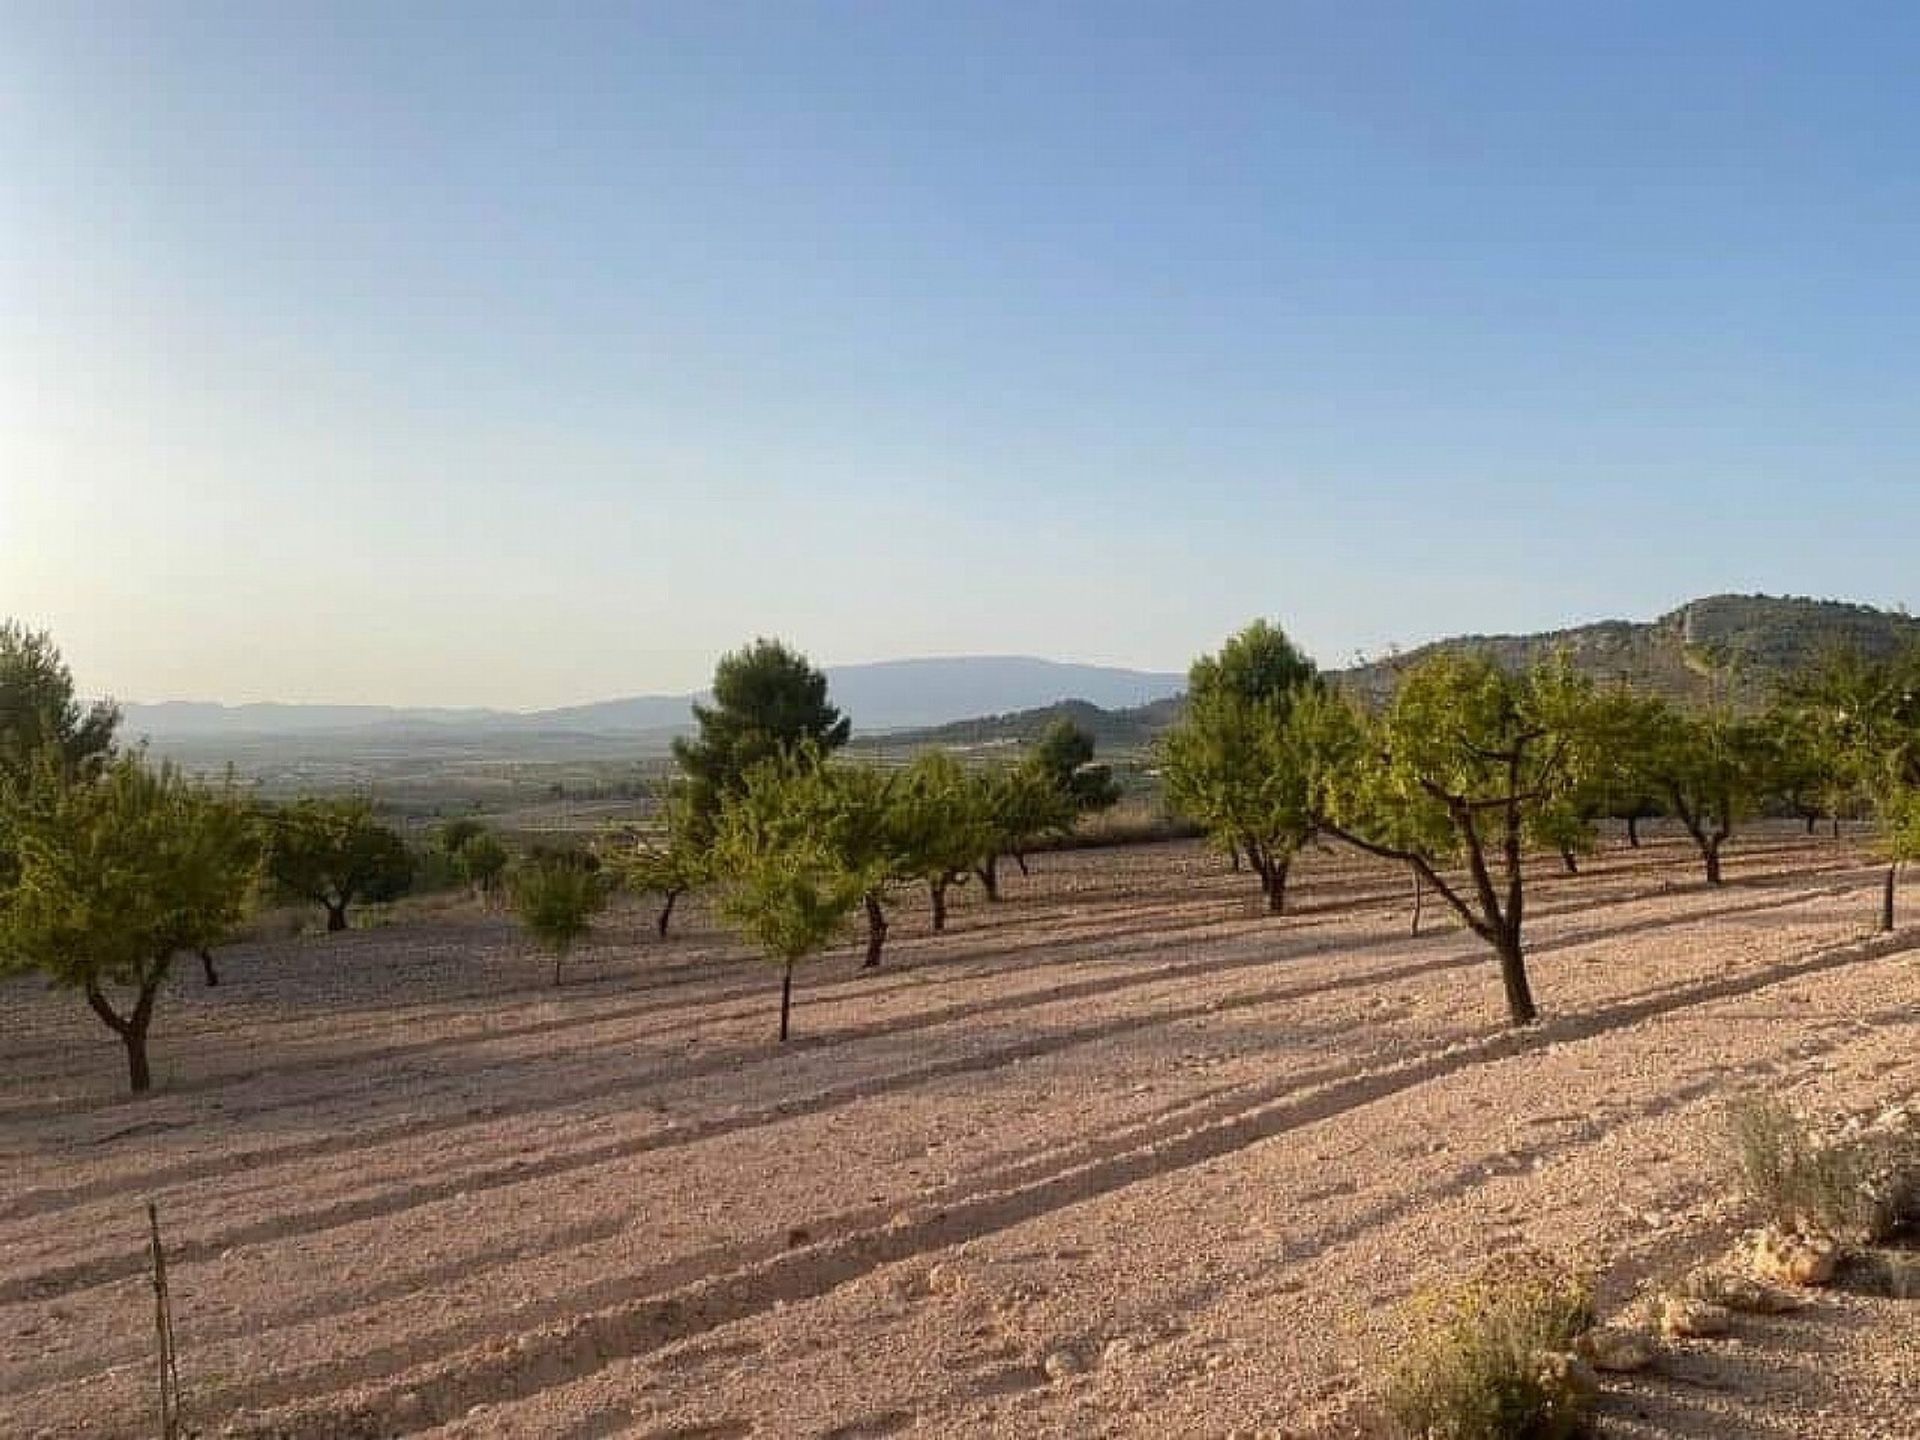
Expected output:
(1488, 1360)
(556, 897)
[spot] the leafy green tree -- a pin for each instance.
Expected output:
(38, 711)
(481, 863)
(1064, 760)
(1450, 773)
(1710, 768)
(453, 835)
(1024, 805)
(671, 864)
(1236, 763)
(787, 888)
(556, 895)
(768, 703)
(945, 825)
(336, 853)
(117, 875)
(1899, 817)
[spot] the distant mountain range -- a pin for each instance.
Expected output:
(884, 696)
(1730, 645)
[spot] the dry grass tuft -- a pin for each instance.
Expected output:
(1488, 1360)
(1859, 1184)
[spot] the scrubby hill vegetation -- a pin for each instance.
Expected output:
(1722, 647)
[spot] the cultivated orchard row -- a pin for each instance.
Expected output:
(111, 866)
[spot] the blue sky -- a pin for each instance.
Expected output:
(466, 354)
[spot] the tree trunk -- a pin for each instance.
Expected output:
(1812, 820)
(558, 956)
(876, 932)
(666, 914)
(786, 999)
(1567, 859)
(206, 965)
(1419, 893)
(1276, 887)
(938, 890)
(1633, 831)
(336, 916)
(1233, 858)
(1711, 850)
(133, 1029)
(1836, 824)
(1513, 977)
(139, 1077)
(1886, 899)
(1020, 859)
(989, 872)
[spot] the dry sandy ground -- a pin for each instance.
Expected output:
(1122, 1121)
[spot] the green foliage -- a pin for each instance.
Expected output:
(1064, 760)
(1711, 769)
(481, 862)
(453, 835)
(797, 849)
(1487, 1360)
(1238, 763)
(942, 818)
(336, 853)
(556, 895)
(769, 703)
(1024, 805)
(1258, 665)
(1461, 762)
(117, 874)
(38, 711)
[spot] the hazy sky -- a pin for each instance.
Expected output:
(529, 354)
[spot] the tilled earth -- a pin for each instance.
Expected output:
(1119, 1155)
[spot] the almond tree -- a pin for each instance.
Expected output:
(671, 864)
(117, 875)
(1449, 774)
(1711, 769)
(1235, 763)
(335, 853)
(556, 895)
(784, 885)
(944, 825)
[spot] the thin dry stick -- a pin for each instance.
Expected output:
(171, 1427)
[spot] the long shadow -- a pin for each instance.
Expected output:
(642, 1322)
(348, 1211)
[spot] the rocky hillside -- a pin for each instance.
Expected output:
(1731, 645)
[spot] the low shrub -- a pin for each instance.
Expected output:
(1858, 1183)
(1489, 1359)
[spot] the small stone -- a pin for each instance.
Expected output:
(948, 1277)
(1615, 1349)
(1062, 1364)
(1743, 1294)
(798, 1235)
(1685, 1319)
(1786, 1259)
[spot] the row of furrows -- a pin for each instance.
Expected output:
(1038, 932)
(642, 1319)
(911, 979)
(95, 1271)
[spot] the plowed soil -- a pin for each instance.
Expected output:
(1119, 1155)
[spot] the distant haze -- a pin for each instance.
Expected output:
(886, 695)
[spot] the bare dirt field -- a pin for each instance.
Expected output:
(1117, 1156)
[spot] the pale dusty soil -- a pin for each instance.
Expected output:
(407, 1185)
